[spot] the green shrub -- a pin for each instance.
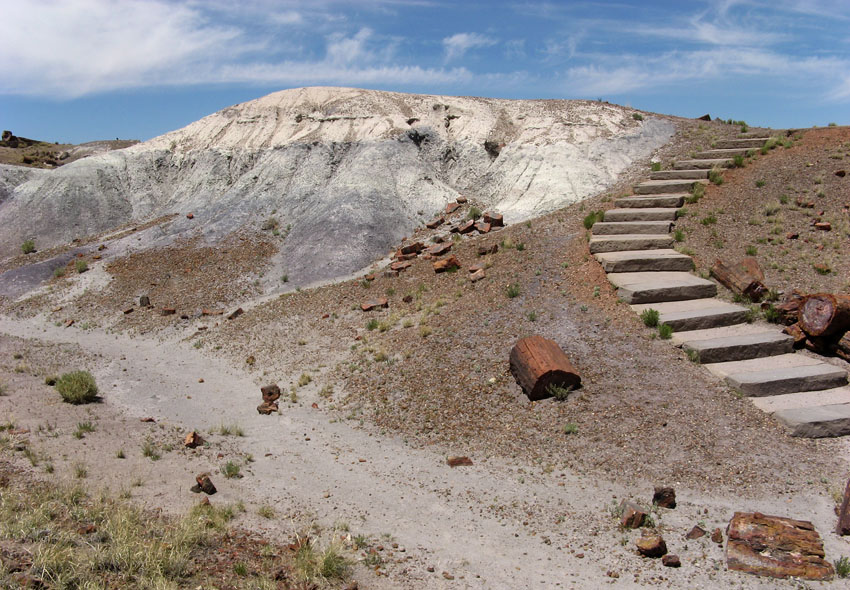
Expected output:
(842, 567)
(371, 324)
(637, 116)
(751, 250)
(650, 317)
(679, 235)
(715, 176)
(656, 166)
(592, 218)
(81, 266)
(59, 272)
(738, 161)
(570, 428)
(513, 290)
(77, 387)
(665, 331)
(474, 213)
(760, 183)
(28, 247)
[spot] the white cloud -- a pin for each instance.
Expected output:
(289, 17)
(457, 45)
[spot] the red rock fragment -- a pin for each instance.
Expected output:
(399, 256)
(633, 516)
(651, 546)
(69, 323)
(190, 216)
(467, 227)
(440, 249)
(435, 223)
(482, 228)
(399, 266)
(776, 547)
(192, 440)
(461, 199)
(664, 497)
(823, 226)
(843, 526)
(484, 250)
(792, 236)
(451, 208)
(267, 408)
(129, 310)
(212, 312)
(840, 173)
(447, 264)
(671, 560)
(477, 275)
(148, 419)
(494, 219)
(717, 536)
(270, 393)
(459, 461)
(204, 484)
(235, 313)
(414, 248)
(374, 304)
(168, 311)
(695, 533)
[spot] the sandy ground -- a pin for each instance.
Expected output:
(497, 524)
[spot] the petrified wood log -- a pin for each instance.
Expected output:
(776, 547)
(843, 526)
(789, 309)
(538, 364)
(744, 278)
(825, 314)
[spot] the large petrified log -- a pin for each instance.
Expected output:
(539, 364)
(825, 314)
(833, 346)
(789, 308)
(744, 278)
(843, 526)
(776, 547)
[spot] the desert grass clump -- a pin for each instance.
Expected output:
(312, 564)
(81, 266)
(28, 247)
(665, 331)
(715, 176)
(592, 218)
(474, 213)
(229, 430)
(650, 317)
(77, 387)
(231, 470)
(842, 567)
(656, 166)
(513, 290)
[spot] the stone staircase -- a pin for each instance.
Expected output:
(635, 248)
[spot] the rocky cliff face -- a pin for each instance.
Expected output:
(348, 171)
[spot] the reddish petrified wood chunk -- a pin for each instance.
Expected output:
(825, 314)
(744, 278)
(446, 264)
(776, 547)
(374, 304)
(538, 364)
(494, 219)
(439, 249)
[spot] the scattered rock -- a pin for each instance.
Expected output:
(494, 219)
(776, 547)
(482, 227)
(168, 311)
(400, 266)
(148, 419)
(204, 484)
(792, 236)
(671, 560)
(446, 264)
(193, 440)
(459, 461)
(448, 576)
(478, 275)
(201, 380)
(695, 533)
(717, 536)
(823, 225)
(651, 546)
(484, 250)
(467, 227)
(414, 248)
(235, 313)
(270, 393)
(144, 301)
(375, 304)
(69, 323)
(664, 497)
(843, 526)
(705, 117)
(407, 298)
(435, 223)
(205, 312)
(452, 207)
(129, 310)
(190, 216)
(461, 200)
(250, 361)
(267, 408)
(840, 173)
(633, 516)
(440, 249)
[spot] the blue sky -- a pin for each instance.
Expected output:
(80, 70)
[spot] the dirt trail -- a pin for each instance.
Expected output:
(497, 524)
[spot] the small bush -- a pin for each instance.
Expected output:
(81, 266)
(77, 387)
(760, 183)
(305, 379)
(570, 428)
(559, 392)
(229, 430)
(842, 567)
(822, 268)
(738, 161)
(709, 219)
(679, 235)
(592, 218)
(230, 470)
(520, 246)
(28, 247)
(59, 272)
(371, 324)
(474, 213)
(656, 167)
(637, 116)
(715, 176)
(665, 331)
(751, 250)
(149, 451)
(513, 290)
(650, 317)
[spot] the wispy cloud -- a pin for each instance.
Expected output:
(457, 45)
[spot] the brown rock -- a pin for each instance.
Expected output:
(144, 301)
(267, 408)
(204, 484)
(466, 227)
(461, 200)
(651, 546)
(439, 249)
(717, 536)
(482, 227)
(190, 216)
(843, 526)
(407, 298)
(633, 516)
(695, 533)
(235, 313)
(796, 333)
(446, 264)
(823, 226)
(671, 561)
(212, 312)
(168, 311)
(484, 250)
(664, 497)
(452, 207)
(792, 236)
(494, 219)
(840, 173)
(477, 276)
(192, 440)
(459, 461)
(149, 420)
(414, 248)
(129, 310)
(439, 239)
(399, 256)
(475, 268)
(270, 393)
(69, 323)
(435, 223)
(776, 547)
(374, 304)
(400, 266)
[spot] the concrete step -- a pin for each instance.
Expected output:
(605, 228)
(696, 314)
(727, 153)
(649, 187)
(692, 174)
(652, 287)
(651, 201)
(746, 143)
(645, 261)
(753, 135)
(782, 361)
(743, 329)
(802, 399)
(788, 380)
(642, 214)
(736, 348)
(613, 243)
(706, 164)
(817, 421)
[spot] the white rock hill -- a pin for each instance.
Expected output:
(351, 171)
